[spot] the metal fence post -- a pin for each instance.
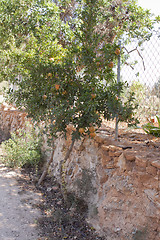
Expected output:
(118, 80)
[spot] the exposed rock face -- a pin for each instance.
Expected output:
(119, 180)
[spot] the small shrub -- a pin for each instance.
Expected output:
(22, 149)
(151, 129)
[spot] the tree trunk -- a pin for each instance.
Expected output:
(63, 172)
(46, 169)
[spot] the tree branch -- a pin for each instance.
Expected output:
(135, 49)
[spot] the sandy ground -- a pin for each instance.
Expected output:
(18, 217)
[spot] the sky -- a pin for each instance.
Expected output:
(150, 54)
(153, 5)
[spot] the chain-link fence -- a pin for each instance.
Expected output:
(141, 69)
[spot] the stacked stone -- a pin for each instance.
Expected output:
(11, 119)
(118, 179)
(120, 182)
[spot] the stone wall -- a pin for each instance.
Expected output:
(10, 120)
(119, 180)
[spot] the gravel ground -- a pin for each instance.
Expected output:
(17, 216)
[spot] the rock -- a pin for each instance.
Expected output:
(148, 181)
(129, 155)
(155, 144)
(111, 153)
(143, 177)
(151, 170)
(121, 162)
(99, 139)
(141, 161)
(153, 196)
(110, 148)
(105, 159)
(105, 148)
(156, 164)
(102, 175)
(113, 148)
(117, 153)
(110, 166)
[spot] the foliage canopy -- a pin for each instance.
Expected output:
(61, 55)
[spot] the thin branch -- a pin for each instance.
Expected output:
(142, 59)
(129, 65)
(130, 50)
(135, 49)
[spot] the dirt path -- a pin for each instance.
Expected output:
(17, 214)
(28, 212)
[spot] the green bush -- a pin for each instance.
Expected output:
(151, 129)
(22, 149)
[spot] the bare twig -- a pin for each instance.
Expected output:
(130, 50)
(142, 59)
(129, 65)
(135, 49)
